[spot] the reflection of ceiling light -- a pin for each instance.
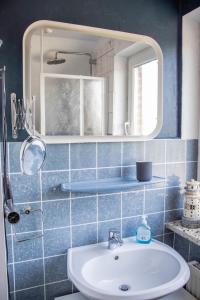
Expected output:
(1, 43)
(48, 30)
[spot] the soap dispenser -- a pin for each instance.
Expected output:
(144, 232)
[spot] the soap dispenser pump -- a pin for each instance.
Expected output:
(144, 232)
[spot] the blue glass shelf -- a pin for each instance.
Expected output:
(107, 185)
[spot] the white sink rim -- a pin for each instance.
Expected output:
(91, 291)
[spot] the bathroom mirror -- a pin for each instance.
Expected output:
(32, 155)
(92, 84)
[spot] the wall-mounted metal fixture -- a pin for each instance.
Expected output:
(33, 150)
(25, 213)
(18, 114)
(11, 213)
(56, 60)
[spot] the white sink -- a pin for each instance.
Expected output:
(146, 271)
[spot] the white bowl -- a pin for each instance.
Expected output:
(146, 271)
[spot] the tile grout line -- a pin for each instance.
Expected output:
(96, 158)
(41, 285)
(185, 154)
(109, 167)
(97, 216)
(121, 157)
(121, 215)
(174, 237)
(144, 189)
(165, 189)
(121, 199)
(189, 251)
(101, 221)
(70, 196)
(103, 194)
(38, 258)
(12, 233)
(70, 204)
(43, 253)
(8, 158)
(97, 195)
(13, 259)
(60, 255)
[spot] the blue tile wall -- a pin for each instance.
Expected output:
(173, 198)
(9, 249)
(32, 222)
(34, 248)
(29, 274)
(179, 154)
(83, 156)
(83, 210)
(37, 269)
(109, 207)
(109, 154)
(56, 214)
(84, 235)
(194, 253)
(132, 152)
(56, 241)
(182, 246)
(50, 185)
(129, 226)
(25, 188)
(187, 249)
(191, 170)
(60, 161)
(31, 294)
(192, 150)
(132, 204)
(155, 151)
(108, 172)
(154, 201)
(58, 289)
(55, 268)
(10, 278)
(169, 239)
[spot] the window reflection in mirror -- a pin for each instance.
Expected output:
(144, 101)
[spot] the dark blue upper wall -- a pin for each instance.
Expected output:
(156, 18)
(189, 5)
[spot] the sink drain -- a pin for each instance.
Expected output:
(124, 287)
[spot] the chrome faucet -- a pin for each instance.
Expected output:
(114, 239)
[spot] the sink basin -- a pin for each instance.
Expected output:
(132, 271)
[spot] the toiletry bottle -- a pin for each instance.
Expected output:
(143, 232)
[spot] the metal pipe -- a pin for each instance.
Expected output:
(91, 60)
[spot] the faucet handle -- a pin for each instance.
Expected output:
(114, 233)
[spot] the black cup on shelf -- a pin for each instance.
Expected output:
(144, 170)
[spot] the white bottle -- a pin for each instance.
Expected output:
(144, 235)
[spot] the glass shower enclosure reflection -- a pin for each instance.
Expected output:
(72, 105)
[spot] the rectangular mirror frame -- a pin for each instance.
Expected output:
(101, 33)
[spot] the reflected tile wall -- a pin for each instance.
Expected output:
(38, 269)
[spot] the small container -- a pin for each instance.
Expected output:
(144, 170)
(144, 235)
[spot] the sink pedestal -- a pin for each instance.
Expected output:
(182, 294)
